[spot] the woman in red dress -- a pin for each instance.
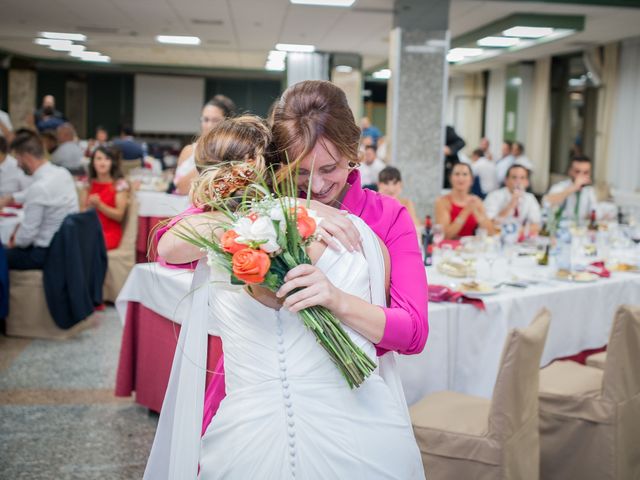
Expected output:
(460, 212)
(108, 193)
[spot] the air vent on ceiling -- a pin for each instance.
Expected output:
(90, 29)
(207, 21)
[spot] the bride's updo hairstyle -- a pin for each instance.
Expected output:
(312, 111)
(231, 156)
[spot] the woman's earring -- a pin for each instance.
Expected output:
(353, 165)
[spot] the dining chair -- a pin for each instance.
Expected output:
(122, 259)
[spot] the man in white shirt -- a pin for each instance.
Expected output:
(519, 158)
(513, 201)
(485, 170)
(68, 154)
(6, 128)
(48, 200)
(505, 161)
(575, 196)
(12, 178)
(370, 168)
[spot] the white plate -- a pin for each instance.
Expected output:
(592, 278)
(483, 293)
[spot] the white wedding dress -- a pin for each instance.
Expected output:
(288, 412)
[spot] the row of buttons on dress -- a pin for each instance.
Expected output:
(287, 398)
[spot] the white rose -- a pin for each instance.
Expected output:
(259, 231)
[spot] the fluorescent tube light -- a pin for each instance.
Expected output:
(325, 3)
(466, 52)
(344, 69)
(178, 39)
(293, 47)
(498, 42)
(384, 74)
(74, 37)
(528, 32)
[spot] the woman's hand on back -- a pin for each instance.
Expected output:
(336, 226)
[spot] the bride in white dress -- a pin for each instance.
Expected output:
(288, 412)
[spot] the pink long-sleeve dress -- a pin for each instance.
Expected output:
(406, 327)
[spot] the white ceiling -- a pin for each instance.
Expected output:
(238, 34)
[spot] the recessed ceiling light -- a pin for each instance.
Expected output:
(293, 47)
(178, 39)
(50, 43)
(344, 69)
(466, 52)
(97, 58)
(384, 74)
(84, 54)
(498, 42)
(75, 37)
(528, 32)
(325, 3)
(453, 57)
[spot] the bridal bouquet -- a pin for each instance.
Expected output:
(262, 240)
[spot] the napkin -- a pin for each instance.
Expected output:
(599, 269)
(440, 293)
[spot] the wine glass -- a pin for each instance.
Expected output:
(438, 234)
(491, 254)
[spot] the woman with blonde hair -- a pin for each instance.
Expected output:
(288, 412)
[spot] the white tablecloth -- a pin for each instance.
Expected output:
(464, 345)
(159, 204)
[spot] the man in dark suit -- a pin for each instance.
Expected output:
(452, 145)
(131, 150)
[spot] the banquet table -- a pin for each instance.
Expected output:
(465, 344)
(153, 208)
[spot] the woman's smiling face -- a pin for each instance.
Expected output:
(330, 172)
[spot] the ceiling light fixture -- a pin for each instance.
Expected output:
(466, 52)
(276, 61)
(528, 32)
(383, 74)
(325, 3)
(74, 37)
(499, 42)
(97, 58)
(294, 47)
(344, 69)
(178, 39)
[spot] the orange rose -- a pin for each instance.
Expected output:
(250, 265)
(306, 226)
(299, 211)
(228, 242)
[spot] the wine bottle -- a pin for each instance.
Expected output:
(427, 240)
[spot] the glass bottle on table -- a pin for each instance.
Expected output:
(427, 241)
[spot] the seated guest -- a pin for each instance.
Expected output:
(68, 154)
(131, 150)
(390, 183)
(519, 158)
(50, 141)
(460, 212)
(6, 127)
(504, 162)
(574, 197)
(369, 130)
(370, 167)
(12, 178)
(484, 146)
(513, 201)
(101, 140)
(453, 144)
(485, 170)
(47, 201)
(214, 112)
(108, 193)
(47, 117)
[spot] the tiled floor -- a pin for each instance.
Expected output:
(58, 417)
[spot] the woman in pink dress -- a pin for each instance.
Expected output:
(314, 131)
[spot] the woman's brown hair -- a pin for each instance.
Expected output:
(231, 156)
(113, 154)
(313, 111)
